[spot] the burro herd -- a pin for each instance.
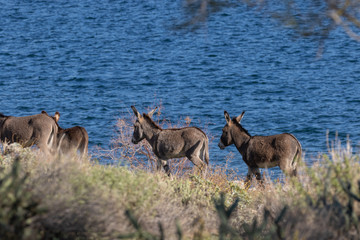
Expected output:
(43, 130)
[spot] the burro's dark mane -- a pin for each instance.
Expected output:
(2, 115)
(239, 126)
(149, 120)
(175, 129)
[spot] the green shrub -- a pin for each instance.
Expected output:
(18, 207)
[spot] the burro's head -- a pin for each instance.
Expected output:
(140, 125)
(226, 138)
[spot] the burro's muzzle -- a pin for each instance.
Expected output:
(221, 145)
(134, 141)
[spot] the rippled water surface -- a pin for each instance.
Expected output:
(91, 60)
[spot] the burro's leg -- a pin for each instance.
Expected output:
(251, 171)
(43, 146)
(158, 165)
(163, 163)
(257, 174)
(294, 163)
(166, 167)
(193, 154)
(45, 139)
(287, 167)
(248, 175)
(293, 173)
(204, 155)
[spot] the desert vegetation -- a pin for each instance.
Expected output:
(68, 198)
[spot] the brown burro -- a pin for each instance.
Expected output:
(39, 130)
(188, 142)
(71, 140)
(282, 150)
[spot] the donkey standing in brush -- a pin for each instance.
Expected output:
(70, 140)
(188, 142)
(282, 150)
(39, 130)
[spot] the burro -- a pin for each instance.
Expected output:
(190, 142)
(282, 150)
(39, 130)
(71, 140)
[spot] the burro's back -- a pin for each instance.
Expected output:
(268, 151)
(36, 129)
(178, 142)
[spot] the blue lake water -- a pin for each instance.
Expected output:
(91, 60)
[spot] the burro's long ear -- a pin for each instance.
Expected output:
(151, 113)
(238, 118)
(227, 117)
(57, 116)
(137, 114)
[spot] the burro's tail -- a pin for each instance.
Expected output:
(206, 151)
(51, 143)
(297, 156)
(59, 148)
(84, 143)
